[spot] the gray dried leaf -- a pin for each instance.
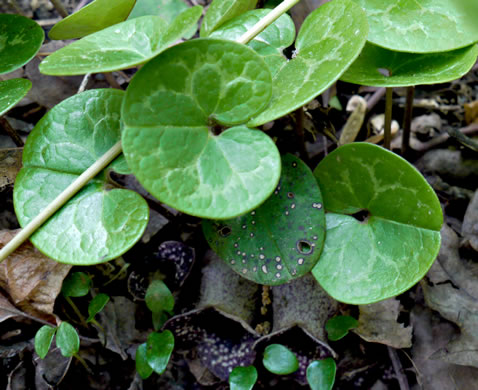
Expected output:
(10, 164)
(469, 228)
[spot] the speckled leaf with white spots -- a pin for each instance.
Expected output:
(270, 43)
(388, 252)
(172, 106)
(380, 67)
(283, 238)
(11, 92)
(422, 26)
(121, 46)
(95, 16)
(330, 39)
(20, 39)
(99, 223)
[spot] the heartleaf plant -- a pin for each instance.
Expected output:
(321, 374)
(338, 327)
(243, 378)
(280, 360)
(67, 340)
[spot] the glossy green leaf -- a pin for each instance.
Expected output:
(43, 339)
(121, 46)
(338, 327)
(159, 348)
(220, 11)
(329, 40)
(243, 378)
(142, 366)
(98, 224)
(20, 40)
(280, 360)
(76, 284)
(96, 305)
(321, 374)
(283, 238)
(158, 297)
(11, 92)
(393, 248)
(422, 26)
(67, 339)
(385, 68)
(269, 44)
(173, 105)
(94, 17)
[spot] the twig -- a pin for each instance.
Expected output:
(424, 146)
(80, 5)
(111, 80)
(59, 7)
(84, 82)
(375, 98)
(387, 131)
(397, 366)
(11, 132)
(407, 121)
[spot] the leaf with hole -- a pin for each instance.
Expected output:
(20, 40)
(421, 26)
(283, 238)
(394, 246)
(142, 366)
(11, 92)
(280, 360)
(96, 305)
(158, 350)
(173, 106)
(380, 67)
(220, 11)
(121, 46)
(243, 378)
(330, 39)
(159, 298)
(76, 284)
(43, 339)
(321, 374)
(67, 339)
(269, 43)
(338, 327)
(101, 222)
(93, 17)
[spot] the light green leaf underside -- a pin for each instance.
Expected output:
(99, 223)
(92, 18)
(167, 142)
(121, 46)
(330, 39)
(11, 92)
(269, 44)
(422, 26)
(220, 11)
(20, 40)
(366, 263)
(283, 238)
(406, 69)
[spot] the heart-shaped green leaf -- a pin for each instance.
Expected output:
(20, 40)
(159, 348)
(172, 106)
(283, 238)
(380, 67)
(330, 39)
(158, 297)
(96, 305)
(280, 360)
(321, 374)
(422, 26)
(121, 46)
(67, 339)
(76, 284)
(269, 44)
(99, 223)
(220, 11)
(243, 378)
(43, 339)
(11, 92)
(94, 17)
(393, 248)
(338, 327)
(142, 365)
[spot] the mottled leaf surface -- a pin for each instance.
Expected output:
(100, 222)
(321, 374)
(380, 67)
(387, 253)
(94, 17)
(282, 239)
(20, 40)
(243, 378)
(171, 107)
(421, 26)
(121, 46)
(330, 39)
(11, 92)
(269, 44)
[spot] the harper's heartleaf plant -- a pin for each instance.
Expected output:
(101, 222)
(395, 245)
(11, 92)
(283, 238)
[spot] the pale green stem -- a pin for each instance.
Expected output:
(77, 311)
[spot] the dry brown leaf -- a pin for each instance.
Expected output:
(7, 310)
(10, 164)
(471, 112)
(470, 223)
(358, 106)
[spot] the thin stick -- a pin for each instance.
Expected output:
(60, 200)
(59, 7)
(84, 82)
(397, 367)
(11, 132)
(387, 131)
(407, 121)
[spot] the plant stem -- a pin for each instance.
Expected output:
(59, 7)
(61, 199)
(77, 311)
(387, 131)
(407, 121)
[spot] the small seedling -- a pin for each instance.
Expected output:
(338, 327)
(279, 359)
(95, 306)
(243, 378)
(66, 339)
(321, 374)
